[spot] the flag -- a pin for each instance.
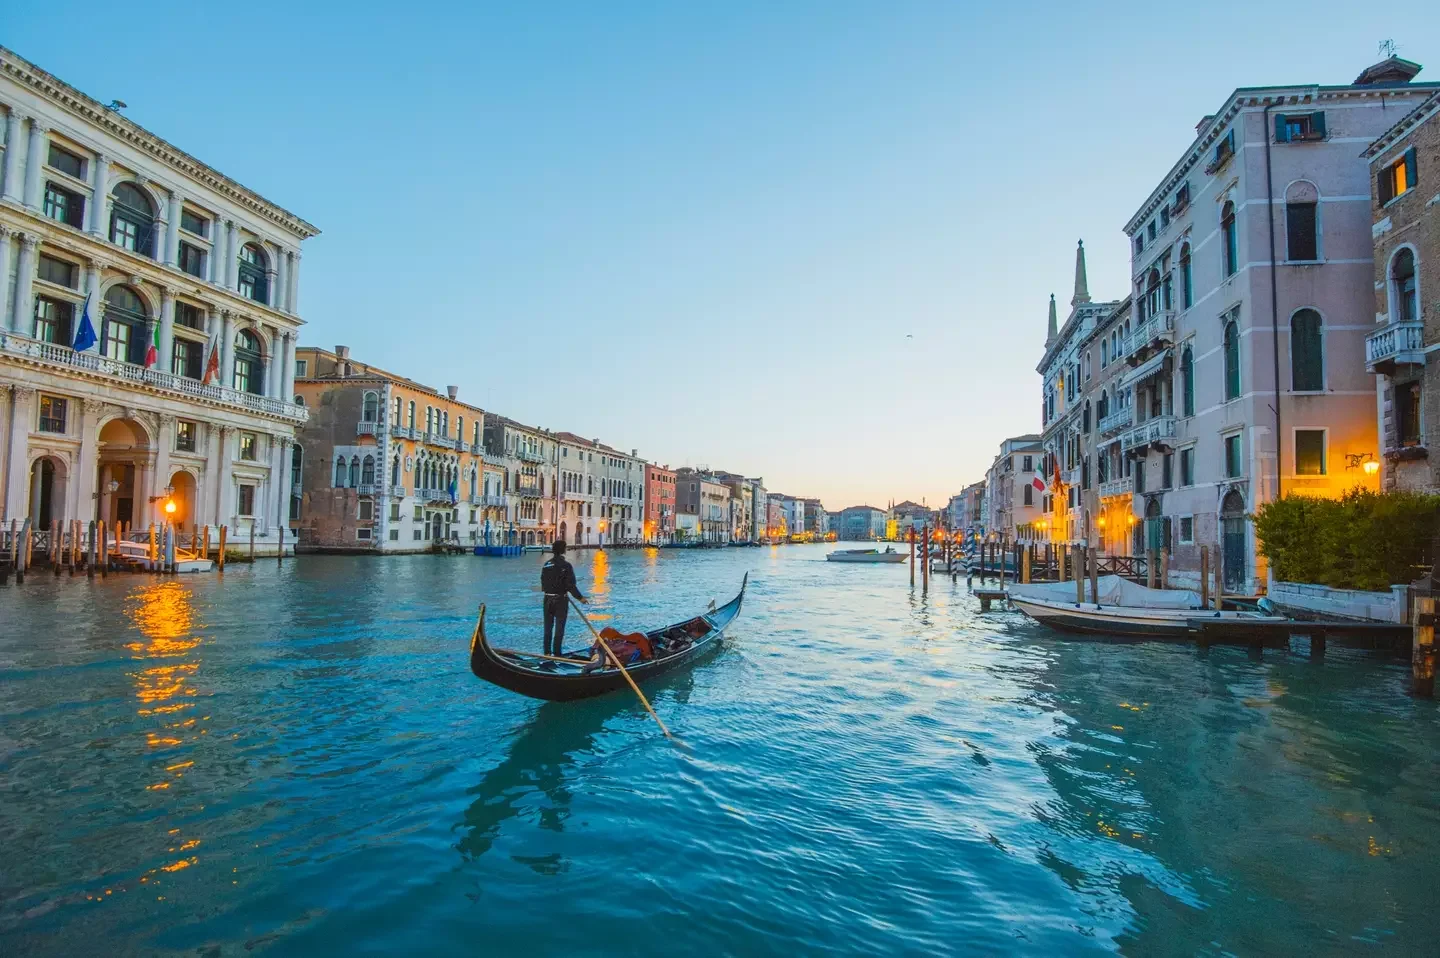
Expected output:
(212, 363)
(454, 497)
(152, 351)
(1057, 484)
(1038, 483)
(85, 333)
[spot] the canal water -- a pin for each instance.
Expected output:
(295, 760)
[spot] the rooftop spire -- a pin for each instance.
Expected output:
(1082, 286)
(1053, 330)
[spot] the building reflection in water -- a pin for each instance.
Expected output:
(600, 587)
(168, 655)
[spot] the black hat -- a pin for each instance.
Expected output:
(559, 547)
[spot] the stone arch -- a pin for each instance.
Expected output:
(49, 479)
(184, 493)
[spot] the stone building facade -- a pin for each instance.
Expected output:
(190, 283)
(528, 459)
(388, 464)
(1403, 351)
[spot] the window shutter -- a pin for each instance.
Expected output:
(1411, 179)
(1317, 123)
(1385, 186)
(1282, 133)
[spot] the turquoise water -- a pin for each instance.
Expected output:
(297, 761)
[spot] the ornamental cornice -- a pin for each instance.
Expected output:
(91, 111)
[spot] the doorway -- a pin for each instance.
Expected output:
(1233, 540)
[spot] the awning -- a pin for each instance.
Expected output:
(1146, 369)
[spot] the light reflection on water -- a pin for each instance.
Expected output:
(298, 759)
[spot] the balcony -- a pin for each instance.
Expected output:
(527, 522)
(1117, 487)
(441, 440)
(367, 488)
(403, 432)
(1157, 432)
(495, 501)
(1395, 344)
(433, 495)
(366, 428)
(1156, 332)
(525, 455)
(492, 458)
(474, 500)
(114, 372)
(1116, 421)
(526, 489)
(575, 496)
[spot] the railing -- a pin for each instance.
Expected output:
(1117, 420)
(1117, 487)
(54, 354)
(525, 489)
(1152, 430)
(367, 488)
(433, 495)
(525, 455)
(474, 448)
(527, 522)
(474, 500)
(493, 458)
(403, 432)
(1395, 344)
(495, 500)
(441, 440)
(577, 496)
(365, 428)
(1159, 326)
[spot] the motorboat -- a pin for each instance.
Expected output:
(1123, 608)
(866, 555)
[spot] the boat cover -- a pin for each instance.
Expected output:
(1113, 591)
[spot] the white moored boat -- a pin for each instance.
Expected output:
(1125, 608)
(865, 555)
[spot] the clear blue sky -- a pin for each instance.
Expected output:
(704, 230)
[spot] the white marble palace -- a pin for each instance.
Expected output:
(176, 262)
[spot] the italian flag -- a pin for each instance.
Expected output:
(152, 351)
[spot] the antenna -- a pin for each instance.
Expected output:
(1387, 49)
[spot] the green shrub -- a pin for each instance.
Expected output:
(1363, 540)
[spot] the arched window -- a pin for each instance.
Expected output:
(339, 472)
(354, 470)
(411, 421)
(395, 411)
(1187, 382)
(370, 407)
(1232, 361)
(1307, 360)
(1102, 408)
(299, 400)
(249, 365)
(1230, 246)
(367, 471)
(395, 472)
(252, 283)
(132, 219)
(1152, 293)
(1104, 353)
(429, 419)
(472, 481)
(1404, 303)
(460, 428)
(1085, 417)
(123, 337)
(1187, 279)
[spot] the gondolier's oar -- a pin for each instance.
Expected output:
(616, 661)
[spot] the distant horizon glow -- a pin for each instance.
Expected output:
(809, 243)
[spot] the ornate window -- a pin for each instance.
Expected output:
(1187, 281)
(1231, 240)
(1307, 361)
(367, 471)
(354, 471)
(249, 364)
(1404, 303)
(123, 336)
(132, 219)
(370, 407)
(252, 283)
(1232, 360)
(1187, 382)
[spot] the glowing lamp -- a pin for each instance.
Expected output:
(170, 507)
(1371, 467)
(1101, 522)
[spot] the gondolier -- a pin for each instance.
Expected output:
(557, 580)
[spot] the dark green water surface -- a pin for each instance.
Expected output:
(297, 761)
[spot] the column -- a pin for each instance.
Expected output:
(206, 491)
(286, 490)
(273, 489)
(95, 276)
(289, 372)
(293, 294)
(167, 329)
(22, 320)
(10, 188)
(162, 466)
(223, 483)
(273, 368)
(100, 195)
(217, 252)
(35, 162)
(82, 484)
(172, 231)
(227, 348)
(17, 465)
(232, 255)
(6, 233)
(280, 290)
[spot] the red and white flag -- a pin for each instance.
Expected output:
(212, 362)
(1038, 483)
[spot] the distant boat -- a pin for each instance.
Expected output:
(865, 555)
(1125, 608)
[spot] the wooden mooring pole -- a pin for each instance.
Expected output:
(1217, 579)
(223, 532)
(1094, 563)
(1078, 554)
(1204, 577)
(104, 551)
(1025, 566)
(252, 540)
(90, 552)
(1165, 568)
(911, 536)
(1150, 569)
(1422, 658)
(280, 552)
(27, 549)
(203, 543)
(925, 561)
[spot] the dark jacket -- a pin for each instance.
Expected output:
(557, 577)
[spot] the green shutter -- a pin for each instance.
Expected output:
(1282, 132)
(1411, 176)
(1317, 123)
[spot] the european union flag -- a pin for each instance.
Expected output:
(85, 333)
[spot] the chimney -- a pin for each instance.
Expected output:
(453, 391)
(342, 361)
(1204, 122)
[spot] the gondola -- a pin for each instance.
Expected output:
(676, 646)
